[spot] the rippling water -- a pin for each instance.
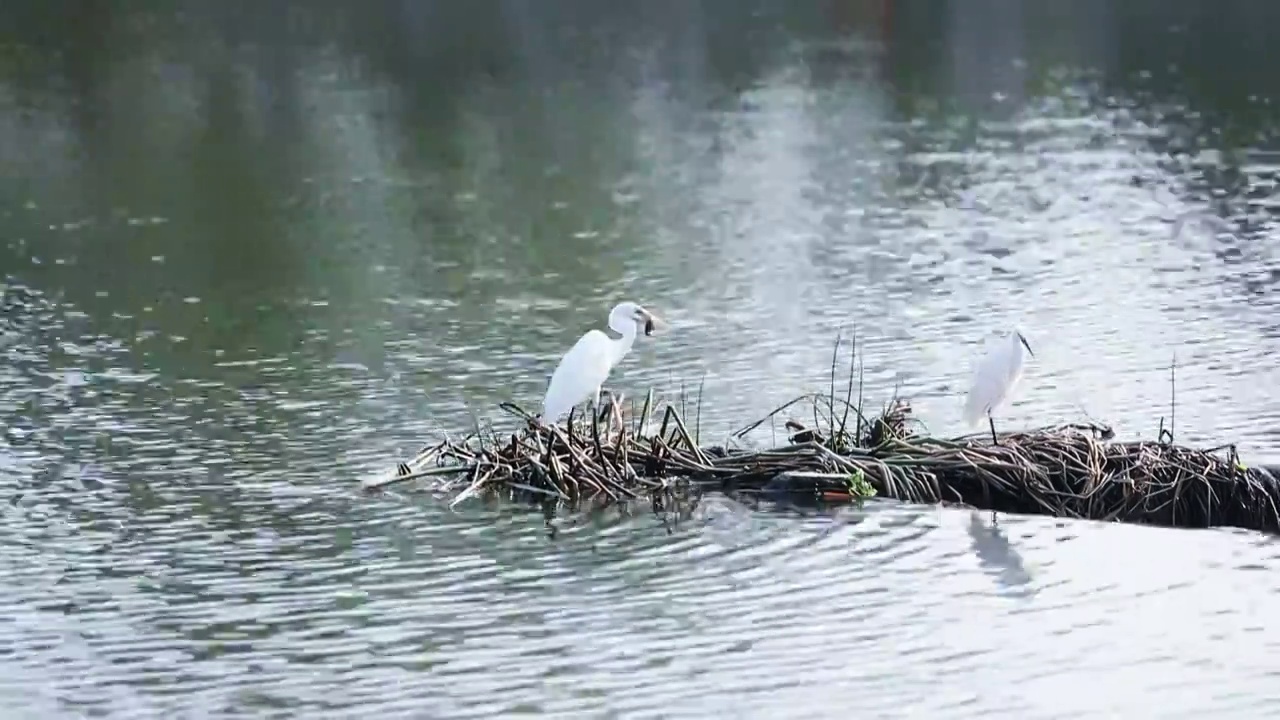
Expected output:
(249, 257)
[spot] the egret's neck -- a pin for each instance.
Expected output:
(622, 345)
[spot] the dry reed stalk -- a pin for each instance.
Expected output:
(1072, 471)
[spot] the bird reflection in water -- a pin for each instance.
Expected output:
(997, 555)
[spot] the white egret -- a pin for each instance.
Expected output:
(588, 363)
(994, 378)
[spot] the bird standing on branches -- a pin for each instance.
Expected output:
(995, 377)
(583, 370)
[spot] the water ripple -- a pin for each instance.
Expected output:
(178, 450)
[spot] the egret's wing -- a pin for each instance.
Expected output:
(991, 380)
(583, 369)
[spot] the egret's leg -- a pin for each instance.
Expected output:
(994, 441)
(592, 402)
(615, 412)
(602, 411)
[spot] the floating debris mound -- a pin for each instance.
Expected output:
(1073, 471)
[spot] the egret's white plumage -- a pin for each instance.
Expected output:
(588, 363)
(995, 377)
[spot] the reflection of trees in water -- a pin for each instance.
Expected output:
(1209, 86)
(246, 124)
(441, 49)
(209, 95)
(199, 94)
(436, 50)
(1197, 71)
(1212, 55)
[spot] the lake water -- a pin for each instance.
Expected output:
(252, 253)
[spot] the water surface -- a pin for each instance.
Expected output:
(251, 254)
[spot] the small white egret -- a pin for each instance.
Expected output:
(994, 378)
(588, 363)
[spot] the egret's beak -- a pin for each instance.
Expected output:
(653, 324)
(1025, 345)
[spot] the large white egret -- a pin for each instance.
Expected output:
(994, 378)
(586, 366)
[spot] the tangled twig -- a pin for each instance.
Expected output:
(1066, 471)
